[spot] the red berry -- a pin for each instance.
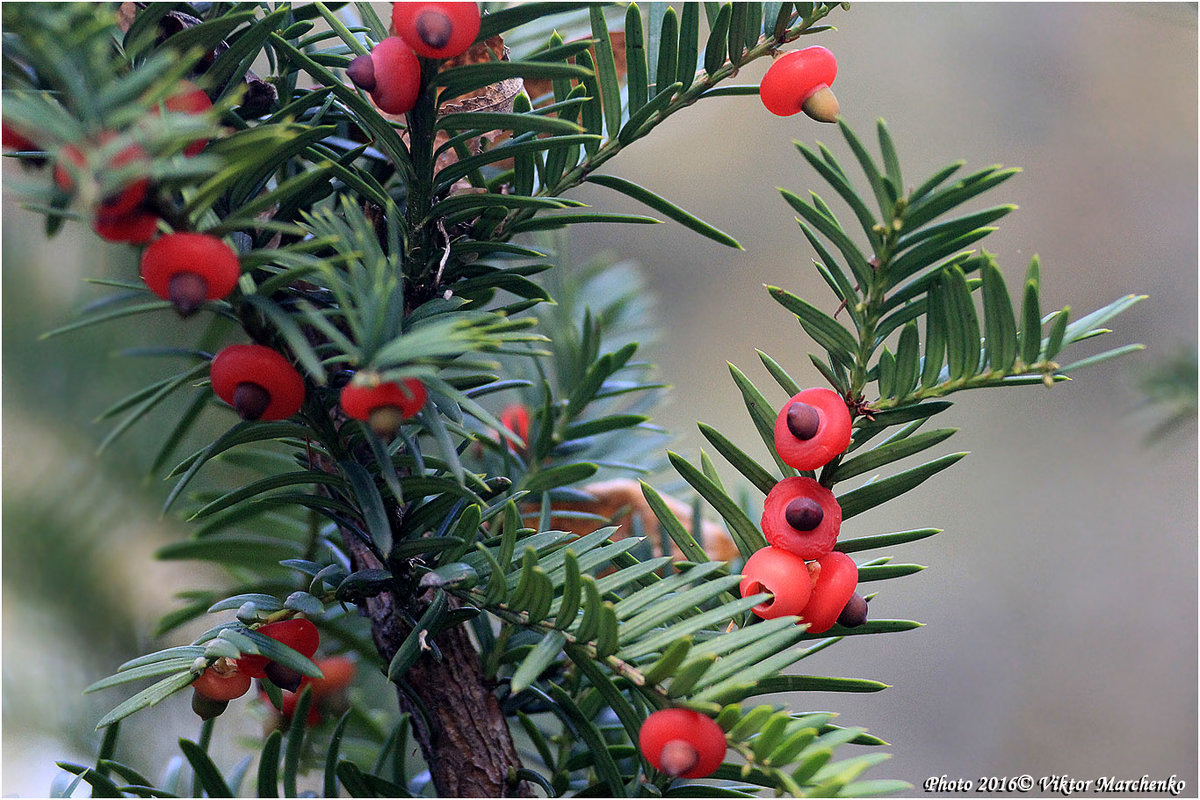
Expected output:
(682, 743)
(329, 694)
(190, 268)
(189, 99)
(802, 517)
(72, 160)
(384, 405)
(516, 419)
(395, 76)
(800, 81)
(781, 573)
(299, 634)
(120, 217)
(290, 699)
(69, 158)
(223, 687)
(436, 30)
(136, 227)
(339, 672)
(812, 428)
(12, 140)
(361, 72)
(836, 581)
(257, 381)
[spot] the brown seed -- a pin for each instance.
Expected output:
(385, 421)
(206, 707)
(250, 400)
(284, 677)
(855, 612)
(187, 291)
(677, 757)
(804, 514)
(821, 105)
(434, 28)
(803, 420)
(361, 73)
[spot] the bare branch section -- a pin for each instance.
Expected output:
(456, 718)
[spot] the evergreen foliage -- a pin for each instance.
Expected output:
(425, 248)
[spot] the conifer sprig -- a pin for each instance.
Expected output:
(421, 248)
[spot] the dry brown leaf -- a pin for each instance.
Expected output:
(126, 14)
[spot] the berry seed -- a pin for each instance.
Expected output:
(803, 420)
(804, 514)
(434, 28)
(250, 400)
(855, 612)
(187, 291)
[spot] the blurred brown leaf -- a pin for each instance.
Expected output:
(619, 500)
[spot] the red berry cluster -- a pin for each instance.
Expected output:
(128, 214)
(391, 73)
(329, 693)
(799, 81)
(191, 268)
(227, 679)
(120, 217)
(801, 521)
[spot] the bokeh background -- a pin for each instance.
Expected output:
(1061, 601)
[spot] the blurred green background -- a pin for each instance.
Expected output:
(1061, 599)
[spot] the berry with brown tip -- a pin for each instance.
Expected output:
(799, 81)
(812, 428)
(297, 633)
(257, 381)
(384, 405)
(785, 575)
(682, 743)
(190, 268)
(391, 74)
(802, 517)
(837, 579)
(222, 681)
(437, 30)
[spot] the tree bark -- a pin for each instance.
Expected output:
(458, 722)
